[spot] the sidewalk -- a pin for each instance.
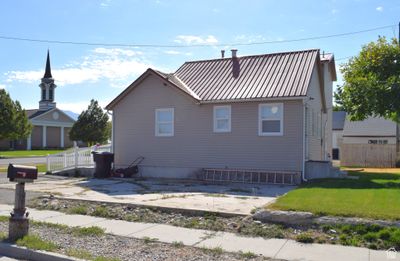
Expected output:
(273, 248)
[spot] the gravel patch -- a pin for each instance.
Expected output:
(208, 221)
(123, 248)
(338, 233)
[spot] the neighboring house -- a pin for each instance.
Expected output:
(337, 132)
(51, 125)
(229, 117)
(369, 143)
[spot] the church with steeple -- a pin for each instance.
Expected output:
(51, 125)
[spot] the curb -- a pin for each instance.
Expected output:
(14, 251)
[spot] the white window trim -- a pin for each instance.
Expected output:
(156, 122)
(260, 133)
(229, 118)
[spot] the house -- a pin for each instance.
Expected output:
(262, 117)
(337, 132)
(51, 125)
(369, 143)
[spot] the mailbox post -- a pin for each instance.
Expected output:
(19, 222)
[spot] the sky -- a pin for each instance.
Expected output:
(83, 72)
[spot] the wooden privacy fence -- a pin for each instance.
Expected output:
(368, 155)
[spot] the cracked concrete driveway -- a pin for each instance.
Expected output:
(232, 198)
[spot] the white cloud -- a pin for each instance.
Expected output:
(193, 39)
(105, 3)
(116, 51)
(379, 9)
(2, 86)
(79, 106)
(174, 52)
(119, 66)
(249, 38)
(255, 38)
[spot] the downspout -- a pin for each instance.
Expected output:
(303, 175)
(112, 130)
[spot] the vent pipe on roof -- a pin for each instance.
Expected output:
(234, 53)
(222, 53)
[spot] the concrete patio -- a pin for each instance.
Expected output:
(232, 198)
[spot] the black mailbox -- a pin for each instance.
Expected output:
(21, 173)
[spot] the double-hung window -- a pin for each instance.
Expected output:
(270, 119)
(165, 122)
(222, 118)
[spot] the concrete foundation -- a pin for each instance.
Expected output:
(318, 169)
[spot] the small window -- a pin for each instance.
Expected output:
(270, 118)
(222, 118)
(51, 94)
(43, 94)
(165, 122)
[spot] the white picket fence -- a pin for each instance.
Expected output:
(74, 158)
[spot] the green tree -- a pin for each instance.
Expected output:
(22, 126)
(372, 83)
(91, 126)
(14, 123)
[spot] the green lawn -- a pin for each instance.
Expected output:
(41, 168)
(376, 194)
(27, 153)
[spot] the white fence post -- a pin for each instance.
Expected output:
(65, 160)
(48, 162)
(76, 156)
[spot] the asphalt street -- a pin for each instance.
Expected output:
(32, 160)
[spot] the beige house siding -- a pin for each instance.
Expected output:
(37, 137)
(194, 144)
(314, 118)
(53, 137)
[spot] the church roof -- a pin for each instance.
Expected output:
(47, 73)
(34, 113)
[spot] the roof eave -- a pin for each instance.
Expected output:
(255, 100)
(133, 85)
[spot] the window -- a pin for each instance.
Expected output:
(43, 94)
(222, 118)
(270, 119)
(165, 122)
(51, 94)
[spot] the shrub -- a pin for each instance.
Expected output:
(305, 238)
(80, 210)
(371, 236)
(384, 234)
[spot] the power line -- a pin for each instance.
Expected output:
(5, 37)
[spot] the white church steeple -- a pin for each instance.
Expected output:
(47, 87)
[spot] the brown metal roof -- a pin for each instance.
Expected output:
(246, 78)
(250, 77)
